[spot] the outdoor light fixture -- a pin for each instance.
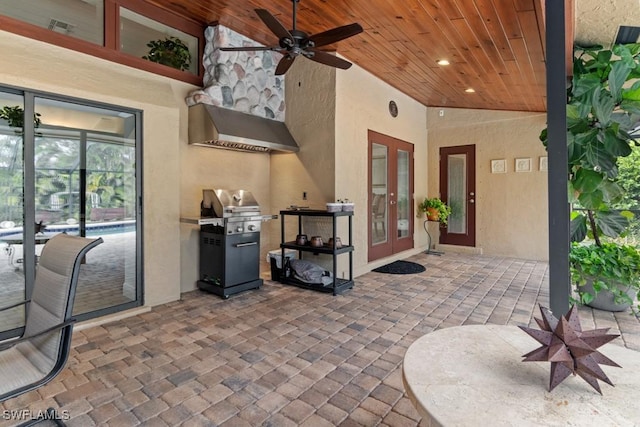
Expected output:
(443, 62)
(470, 90)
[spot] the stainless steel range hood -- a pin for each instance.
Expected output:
(212, 126)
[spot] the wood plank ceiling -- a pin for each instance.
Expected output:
(495, 47)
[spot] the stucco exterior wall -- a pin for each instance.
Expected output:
(362, 104)
(39, 66)
(310, 116)
(329, 112)
(511, 207)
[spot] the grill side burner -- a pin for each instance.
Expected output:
(229, 242)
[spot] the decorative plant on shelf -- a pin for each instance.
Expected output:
(171, 51)
(15, 116)
(435, 209)
(603, 111)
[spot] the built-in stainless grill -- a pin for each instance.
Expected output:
(230, 225)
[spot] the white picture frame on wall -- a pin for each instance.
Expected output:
(498, 166)
(543, 164)
(523, 164)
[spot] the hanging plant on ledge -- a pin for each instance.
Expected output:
(171, 52)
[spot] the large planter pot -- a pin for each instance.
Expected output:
(604, 299)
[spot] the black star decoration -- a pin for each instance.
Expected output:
(570, 349)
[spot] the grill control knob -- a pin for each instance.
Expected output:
(239, 229)
(252, 227)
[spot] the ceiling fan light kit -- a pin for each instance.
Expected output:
(293, 43)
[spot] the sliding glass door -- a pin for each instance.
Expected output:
(72, 169)
(12, 282)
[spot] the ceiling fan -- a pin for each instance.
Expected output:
(295, 42)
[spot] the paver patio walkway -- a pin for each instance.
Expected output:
(283, 356)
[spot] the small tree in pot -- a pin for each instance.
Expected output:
(602, 113)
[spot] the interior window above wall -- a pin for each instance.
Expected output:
(122, 31)
(148, 39)
(82, 19)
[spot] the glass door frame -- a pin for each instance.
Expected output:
(393, 243)
(29, 193)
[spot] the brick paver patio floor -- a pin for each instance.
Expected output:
(284, 356)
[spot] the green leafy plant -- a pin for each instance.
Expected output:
(15, 116)
(436, 209)
(170, 51)
(603, 111)
(605, 265)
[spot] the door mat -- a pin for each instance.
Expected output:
(400, 267)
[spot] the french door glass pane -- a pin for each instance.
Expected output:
(457, 167)
(404, 195)
(81, 19)
(12, 284)
(380, 187)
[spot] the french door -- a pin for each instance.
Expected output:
(458, 190)
(390, 182)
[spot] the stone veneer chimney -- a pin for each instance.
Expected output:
(241, 81)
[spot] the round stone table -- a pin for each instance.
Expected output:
(474, 376)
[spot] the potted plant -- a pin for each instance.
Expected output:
(170, 51)
(607, 276)
(435, 209)
(602, 113)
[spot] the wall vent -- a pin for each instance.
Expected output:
(60, 26)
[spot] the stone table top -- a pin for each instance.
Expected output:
(474, 376)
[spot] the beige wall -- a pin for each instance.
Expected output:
(511, 208)
(310, 97)
(38, 66)
(329, 112)
(362, 104)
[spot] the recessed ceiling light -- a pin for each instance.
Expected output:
(443, 62)
(470, 90)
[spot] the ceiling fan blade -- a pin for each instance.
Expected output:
(274, 25)
(335, 35)
(284, 64)
(328, 59)
(247, 48)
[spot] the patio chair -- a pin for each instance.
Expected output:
(39, 355)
